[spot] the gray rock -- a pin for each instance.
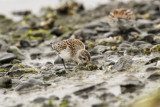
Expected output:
(157, 41)
(137, 43)
(123, 46)
(142, 23)
(24, 44)
(146, 37)
(5, 82)
(109, 62)
(22, 30)
(152, 60)
(56, 31)
(3, 45)
(97, 57)
(15, 73)
(61, 72)
(109, 53)
(18, 105)
(152, 69)
(105, 96)
(16, 52)
(88, 89)
(89, 33)
(34, 81)
(46, 67)
(23, 86)
(108, 34)
(154, 76)
(131, 84)
(100, 105)
(35, 55)
(66, 98)
(124, 63)
(153, 31)
(102, 29)
(53, 97)
(40, 99)
(15, 82)
(20, 71)
(58, 60)
(6, 66)
(133, 51)
(6, 57)
(99, 49)
(2, 74)
(94, 25)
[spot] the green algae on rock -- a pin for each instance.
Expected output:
(155, 48)
(16, 52)
(3, 70)
(38, 34)
(89, 67)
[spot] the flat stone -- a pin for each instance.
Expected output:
(154, 76)
(39, 100)
(23, 86)
(122, 64)
(6, 57)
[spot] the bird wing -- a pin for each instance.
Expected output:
(75, 44)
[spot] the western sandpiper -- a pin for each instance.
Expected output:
(72, 49)
(121, 18)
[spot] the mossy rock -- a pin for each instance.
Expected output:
(38, 34)
(3, 70)
(63, 103)
(8, 23)
(146, 50)
(89, 67)
(113, 48)
(29, 70)
(91, 45)
(155, 48)
(16, 52)
(107, 43)
(21, 71)
(136, 36)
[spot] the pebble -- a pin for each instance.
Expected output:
(40, 100)
(131, 84)
(56, 31)
(53, 97)
(16, 52)
(124, 63)
(5, 82)
(24, 86)
(24, 44)
(154, 76)
(152, 69)
(6, 57)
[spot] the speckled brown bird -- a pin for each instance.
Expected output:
(121, 18)
(72, 49)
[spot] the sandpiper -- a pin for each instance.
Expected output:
(73, 50)
(121, 18)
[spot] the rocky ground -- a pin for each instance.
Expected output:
(126, 69)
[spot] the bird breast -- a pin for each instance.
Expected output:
(65, 54)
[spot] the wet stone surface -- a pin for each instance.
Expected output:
(125, 62)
